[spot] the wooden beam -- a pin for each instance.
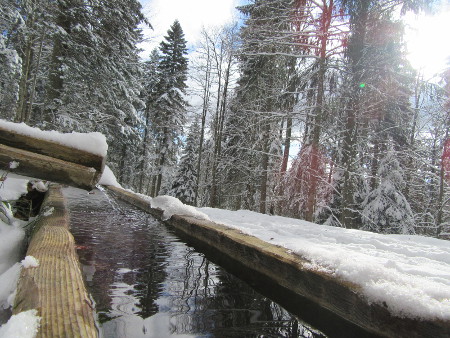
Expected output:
(48, 168)
(52, 149)
(55, 288)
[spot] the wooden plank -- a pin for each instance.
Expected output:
(55, 288)
(51, 149)
(48, 168)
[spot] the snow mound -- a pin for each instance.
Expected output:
(30, 262)
(8, 282)
(94, 143)
(173, 206)
(409, 274)
(13, 186)
(23, 325)
(108, 178)
(11, 238)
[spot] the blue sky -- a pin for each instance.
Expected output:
(192, 14)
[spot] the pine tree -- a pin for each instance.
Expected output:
(168, 115)
(386, 209)
(186, 178)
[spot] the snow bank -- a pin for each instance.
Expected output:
(11, 239)
(8, 282)
(108, 178)
(410, 274)
(94, 143)
(23, 325)
(13, 186)
(173, 206)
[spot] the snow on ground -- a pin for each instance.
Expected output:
(23, 325)
(11, 239)
(94, 143)
(411, 274)
(13, 186)
(8, 283)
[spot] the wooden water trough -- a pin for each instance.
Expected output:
(278, 266)
(49, 160)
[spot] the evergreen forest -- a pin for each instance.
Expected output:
(306, 109)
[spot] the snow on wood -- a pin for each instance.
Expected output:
(76, 159)
(29, 262)
(327, 268)
(25, 325)
(108, 178)
(408, 274)
(94, 143)
(173, 206)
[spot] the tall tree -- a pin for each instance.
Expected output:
(168, 115)
(364, 56)
(252, 127)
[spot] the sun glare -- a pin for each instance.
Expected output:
(427, 41)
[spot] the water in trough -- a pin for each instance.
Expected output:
(146, 282)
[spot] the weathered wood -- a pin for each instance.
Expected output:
(280, 266)
(48, 168)
(55, 288)
(52, 149)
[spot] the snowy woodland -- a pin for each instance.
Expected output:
(306, 109)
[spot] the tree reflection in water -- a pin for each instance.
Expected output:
(147, 283)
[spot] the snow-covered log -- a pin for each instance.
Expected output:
(50, 158)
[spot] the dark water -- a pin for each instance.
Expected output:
(147, 283)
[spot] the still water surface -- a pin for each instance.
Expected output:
(146, 282)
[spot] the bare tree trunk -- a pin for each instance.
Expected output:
(355, 51)
(33, 87)
(219, 64)
(440, 201)
(55, 78)
(206, 98)
(287, 145)
(161, 162)
(26, 68)
(144, 152)
(264, 168)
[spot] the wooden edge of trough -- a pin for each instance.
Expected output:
(289, 270)
(55, 288)
(49, 168)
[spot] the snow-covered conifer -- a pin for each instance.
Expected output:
(386, 209)
(169, 107)
(186, 178)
